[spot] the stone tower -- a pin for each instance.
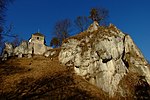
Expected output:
(37, 44)
(37, 38)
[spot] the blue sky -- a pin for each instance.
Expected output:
(130, 16)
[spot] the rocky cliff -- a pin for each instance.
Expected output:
(107, 58)
(97, 64)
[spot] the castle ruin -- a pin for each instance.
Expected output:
(35, 46)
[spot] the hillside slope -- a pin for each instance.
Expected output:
(101, 63)
(43, 78)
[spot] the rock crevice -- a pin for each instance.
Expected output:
(103, 56)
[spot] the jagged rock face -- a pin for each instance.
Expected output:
(8, 48)
(22, 48)
(8, 51)
(93, 27)
(49, 53)
(103, 57)
(52, 53)
(135, 60)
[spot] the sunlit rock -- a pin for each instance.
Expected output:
(7, 51)
(21, 49)
(104, 56)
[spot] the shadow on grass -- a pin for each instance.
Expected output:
(142, 90)
(60, 86)
(10, 70)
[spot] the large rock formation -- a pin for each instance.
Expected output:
(104, 56)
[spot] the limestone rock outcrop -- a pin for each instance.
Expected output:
(21, 49)
(7, 51)
(104, 56)
(93, 27)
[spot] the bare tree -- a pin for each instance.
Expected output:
(82, 23)
(1, 37)
(7, 32)
(55, 42)
(16, 41)
(99, 14)
(3, 6)
(62, 29)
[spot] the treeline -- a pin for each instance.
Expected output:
(63, 28)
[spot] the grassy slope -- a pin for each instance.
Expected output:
(43, 78)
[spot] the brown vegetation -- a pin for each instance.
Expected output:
(136, 87)
(43, 78)
(133, 86)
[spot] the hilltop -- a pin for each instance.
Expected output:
(99, 63)
(108, 59)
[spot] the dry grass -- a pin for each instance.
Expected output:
(43, 78)
(101, 34)
(102, 30)
(135, 87)
(46, 79)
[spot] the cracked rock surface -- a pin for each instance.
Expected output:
(104, 57)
